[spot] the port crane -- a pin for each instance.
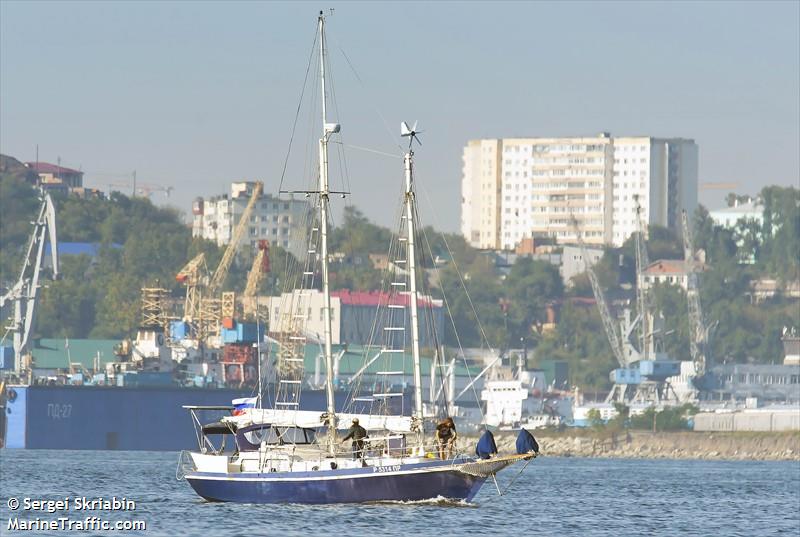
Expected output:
(602, 306)
(699, 331)
(642, 375)
(623, 351)
(193, 275)
(642, 262)
(24, 294)
(204, 305)
(259, 269)
(218, 278)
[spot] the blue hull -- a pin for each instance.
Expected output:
(129, 418)
(412, 482)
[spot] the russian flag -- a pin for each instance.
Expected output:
(239, 405)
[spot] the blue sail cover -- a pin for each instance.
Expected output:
(486, 446)
(526, 443)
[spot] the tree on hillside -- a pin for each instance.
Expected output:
(18, 206)
(670, 302)
(357, 235)
(579, 339)
(527, 289)
(781, 232)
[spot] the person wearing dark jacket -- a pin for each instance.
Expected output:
(446, 438)
(357, 433)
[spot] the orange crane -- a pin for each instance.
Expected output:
(193, 275)
(236, 237)
(259, 269)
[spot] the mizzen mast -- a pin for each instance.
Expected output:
(410, 215)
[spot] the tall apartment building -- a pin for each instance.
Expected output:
(283, 222)
(518, 188)
(660, 174)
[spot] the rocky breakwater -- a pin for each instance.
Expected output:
(662, 445)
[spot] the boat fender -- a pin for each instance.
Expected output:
(12, 395)
(314, 468)
(273, 470)
(486, 445)
(334, 466)
(526, 443)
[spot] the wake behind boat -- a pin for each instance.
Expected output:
(286, 455)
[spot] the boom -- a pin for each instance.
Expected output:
(257, 271)
(230, 252)
(641, 295)
(698, 340)
(602, 306)
(192, 275)
(25, 292)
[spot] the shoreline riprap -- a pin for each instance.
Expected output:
(662, 445)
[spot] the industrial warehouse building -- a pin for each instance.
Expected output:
(359, 317)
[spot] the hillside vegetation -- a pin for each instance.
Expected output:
(144, 245)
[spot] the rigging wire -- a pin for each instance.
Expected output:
(450, 312)
(372, 103)
(367, 149)
(430, 324)
(460, 277)
(297, 112)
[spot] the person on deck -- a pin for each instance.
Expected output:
(446, 438)
(357, 433)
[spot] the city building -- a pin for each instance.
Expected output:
(573, 261)
(657, 174)
(356, 318)
(741, 213)
(281, 221)
(518, 188)
(54, 175)
(665, 271)
(729, 217)
(773, 382)
(480, 193)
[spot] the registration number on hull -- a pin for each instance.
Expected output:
(382, 469)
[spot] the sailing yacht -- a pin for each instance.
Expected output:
(287, 455)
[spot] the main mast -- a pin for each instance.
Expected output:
(327, 130)
(412, 298)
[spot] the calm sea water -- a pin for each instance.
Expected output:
(555, 496)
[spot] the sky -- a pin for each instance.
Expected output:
(194, 95)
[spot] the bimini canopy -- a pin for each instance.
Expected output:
(312, 419)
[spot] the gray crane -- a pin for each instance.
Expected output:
(24, 294)
(698, 329)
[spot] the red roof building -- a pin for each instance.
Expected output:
(667, 271)
(378, 298)
(53, 174)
